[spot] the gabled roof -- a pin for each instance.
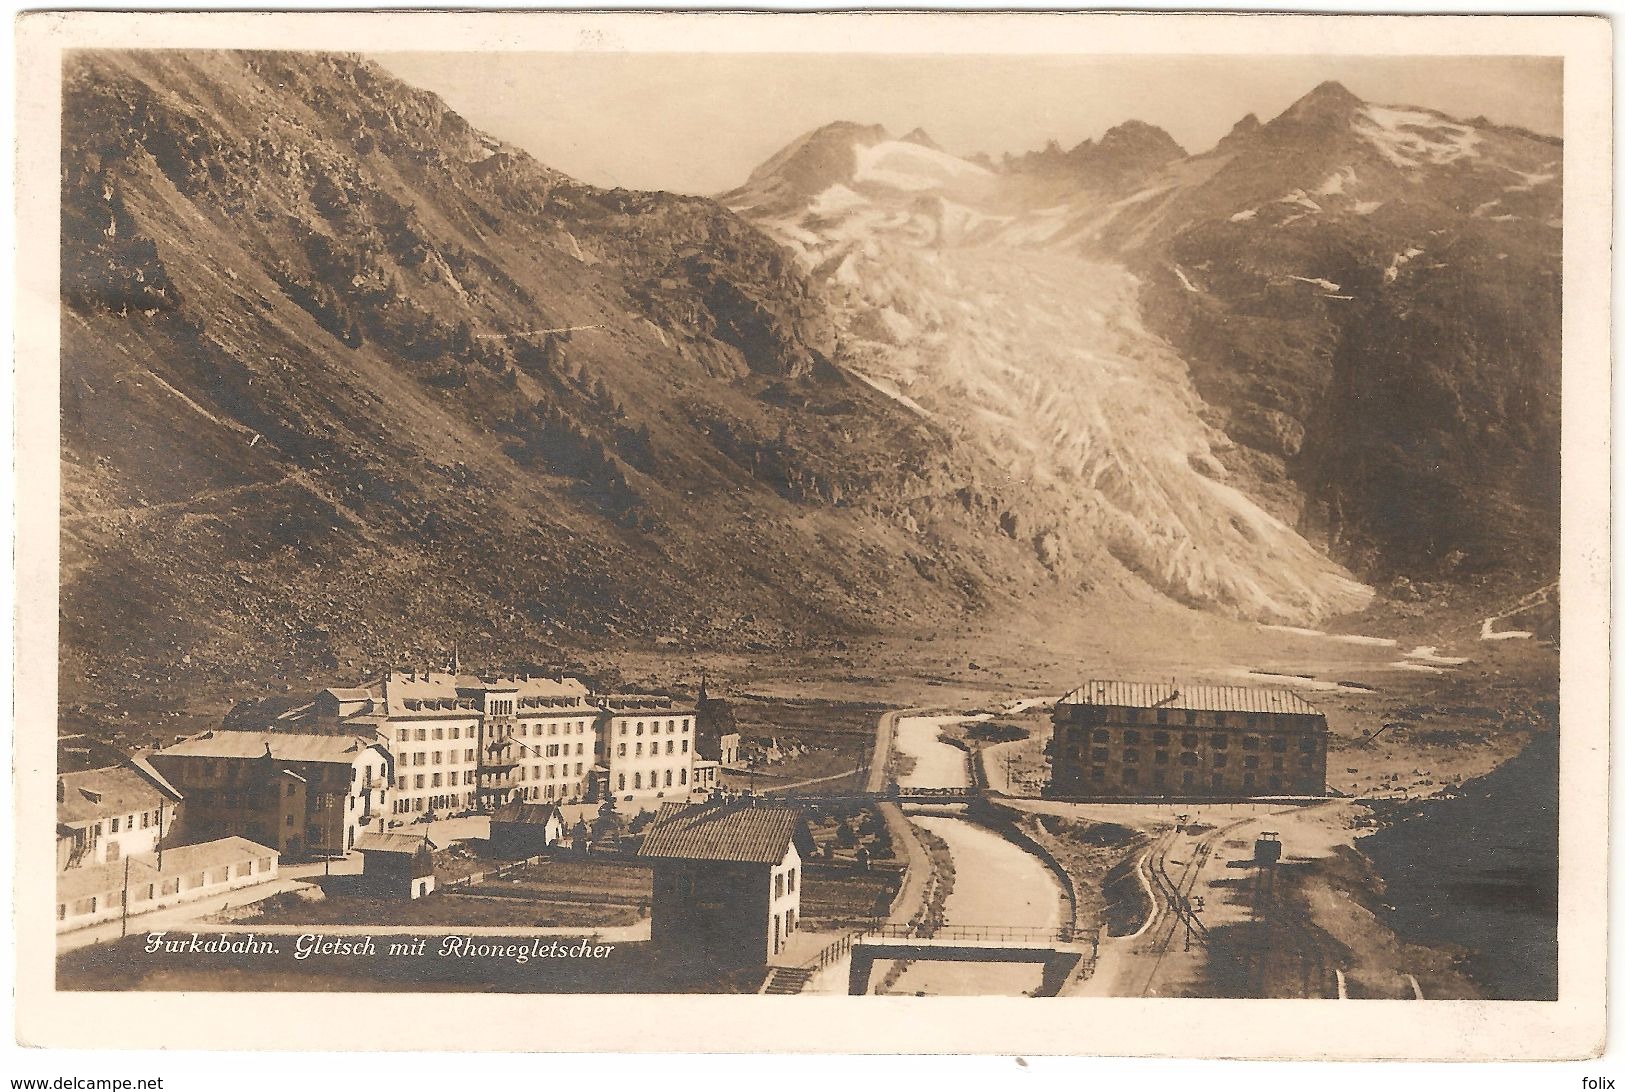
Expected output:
(737, 830)
(116, 790)
(1202, 697)
(393, 843)
(282, 746)
(521, 811)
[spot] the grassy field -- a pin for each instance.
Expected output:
(831, 898)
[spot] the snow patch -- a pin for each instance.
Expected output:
(1321, 281)
(1336, 182)
(1243, 215)
(1391, 274)
(1366, 208)
(1184, 280)
(913, 167)
(1488, 632)
(1407, 665)
(1409, 138)
(1298, 197)
(1429, 654)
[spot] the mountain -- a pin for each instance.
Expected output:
(1331, 338)
(345, 381)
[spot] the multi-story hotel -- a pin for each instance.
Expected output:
(1137, 740)
(647, 743)
(301, 793)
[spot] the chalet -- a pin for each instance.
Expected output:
(520, 829)
(396, 865)
(1128, 740)
(727, 879)
(103, 815)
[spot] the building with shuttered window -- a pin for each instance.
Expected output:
(1127, 740)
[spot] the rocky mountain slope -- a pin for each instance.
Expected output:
(1335, 333)
(345, 381)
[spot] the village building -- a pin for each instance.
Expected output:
(304, 794)
(106, 814)
(647, 745)
(1131, 740)
(707, 776)
(727, 879)
(399, 866)
(97, 893)
(521, 829)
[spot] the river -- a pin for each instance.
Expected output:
(995, 882)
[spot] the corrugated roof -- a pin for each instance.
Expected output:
(1218, 699)
(521, 811)
(738, 830)
(392, 843)
(122, 791)
(283, 746)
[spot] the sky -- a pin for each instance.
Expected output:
(700, 123)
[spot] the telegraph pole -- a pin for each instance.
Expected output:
(124, 916)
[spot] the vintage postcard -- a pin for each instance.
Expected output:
(911, 532)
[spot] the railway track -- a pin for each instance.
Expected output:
(1171, 895)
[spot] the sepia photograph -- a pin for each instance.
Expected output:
(588, 514)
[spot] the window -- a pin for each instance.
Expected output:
(1250, 742)
(439, 757)
(434, 781)
(1278, 764)
(1162, 718)
(669, 744)
(1131, 776)
(1219, 740)
(685, 746)
(422, 735)
(620, 750)
(417, 781)
(440, 733)
(1306, 744)
(778, 885)
(1187, 758)
(682, 776)
(790, 880)
(114, 828)
(1190, 716)
(1277, 743)
(468, 755)
(640, 727)
(400, 782)
(1102, 736)
(637, 781)
(1218, 781)
(639, 751)
(456, 732)
(403, 735)
(1097, 773)
(668, 779)
(1187, 778)
(1131, 736)
(1162, 758)
(146, 820)
(1131, 756)
(1189, 740)
(623, 727)
(1250, 762)
(1098, 754)
(1219, 760)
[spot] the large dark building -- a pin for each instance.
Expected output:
(727, 879)
(1127, 740)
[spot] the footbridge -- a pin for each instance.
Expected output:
(894, 794)
(1061, 950)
